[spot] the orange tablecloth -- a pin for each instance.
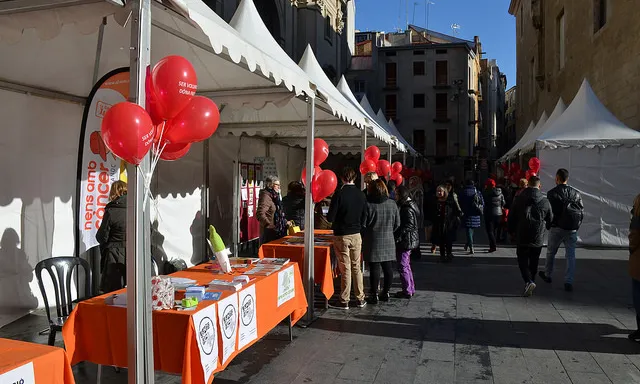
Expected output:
(50, 364)
(323, 274)
(97, 332)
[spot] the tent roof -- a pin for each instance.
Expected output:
(513, 151)
(587, 122)
(531, 140)
(382, 122)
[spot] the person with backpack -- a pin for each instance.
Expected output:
(493, 211)
(530, 216)
(568, 212)
(472, 205)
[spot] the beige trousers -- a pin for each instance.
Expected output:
(348, 251)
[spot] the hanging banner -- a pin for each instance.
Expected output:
(228, 310)
(248, 330)
(204, 324)
(98, 168)
(286, 285)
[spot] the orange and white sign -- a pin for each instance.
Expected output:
(98, 168)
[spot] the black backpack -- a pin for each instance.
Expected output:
(478, 207)
(571, 217)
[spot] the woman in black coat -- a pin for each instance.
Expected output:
(407, 239)
(446, 222)
(293, 203)
(112, 236)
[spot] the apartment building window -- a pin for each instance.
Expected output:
(418, 52)
(441, 51)
(419, 68)
(418, 140)
(532, 79)
(391, 106)
(441, 142)
(442, 75)
(361, 38)
(388, 54)
(442, 106)
(419, 100)
(359, 86)
(391, 74)
(600, 13)
(328, 29)
(561, 40)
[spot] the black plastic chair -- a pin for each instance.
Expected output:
(60, 271)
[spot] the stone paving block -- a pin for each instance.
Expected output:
(320, 372)
(435, 372)
(578, 362)
(504, 374)
(437, 351)
(350, 381)
(364, 370)
(472, 364)
(589, 378)
(618, 368)
(507, 356)
(395, 372)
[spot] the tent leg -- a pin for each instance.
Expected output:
(309, 284)
(96, 64)
(362, 186)
(204, 197)
(404, 159)
(139, 322)
(236, 207)
(390, 160)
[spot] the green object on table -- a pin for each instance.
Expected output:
(189, 302)
(216, 240)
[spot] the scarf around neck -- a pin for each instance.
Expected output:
(279, 220)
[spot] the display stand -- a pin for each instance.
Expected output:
(247, 186)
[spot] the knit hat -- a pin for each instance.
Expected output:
(490, 183)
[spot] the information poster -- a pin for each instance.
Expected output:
(204, 323)
(268, 167)
(22, 375)
(286, 285)
(228, 309)
(248, 330)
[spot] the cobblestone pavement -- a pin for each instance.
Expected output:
(467, 323)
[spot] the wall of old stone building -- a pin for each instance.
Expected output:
(608, 58)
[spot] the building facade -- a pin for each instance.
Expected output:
(327, 25)
(561, 42)
(427, 82)
(492, 106)
(507, 137)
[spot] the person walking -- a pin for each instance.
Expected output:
(273, 224)
(430, 208)
(112, 237)
(407, 240)
(293, 203)
(345, 213)
(530, 216)
(472, 205)
(634, 263)
(416, 192)
(379, 223)
(446, 222)
(568, 212)
(524, 183)
(493, 210)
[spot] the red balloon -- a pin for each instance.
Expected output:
(175, 151)
(303, 176)
(197, 122)
(325, 183)
(151, 103)
(128, 131)
(396, 167)
(397, 178)
(384, 168)
(175, 82)
(368, 166)
(320, 151)
(372, 153)
(534, 164)
(515, 166)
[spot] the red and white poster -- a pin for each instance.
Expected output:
(98, 168)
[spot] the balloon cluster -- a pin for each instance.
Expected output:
(323, 182)
(382, 168)
(515, 173)
(174, 116)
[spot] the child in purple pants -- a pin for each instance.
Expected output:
(407, 239)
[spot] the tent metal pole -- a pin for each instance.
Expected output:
(363, 148)
(236, 206)
(205, 198)
(390, 160)
(404, 159)
(308, 277)
(96, 64)
(41, 92)
(139, 322)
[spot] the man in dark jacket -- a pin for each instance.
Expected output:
(345, 213)
(530, 215)
(494, 204)
(568, 212)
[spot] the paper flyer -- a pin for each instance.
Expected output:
(286, 285)
(228, 319)
(204, 323)
(248, 329)
(22, 375)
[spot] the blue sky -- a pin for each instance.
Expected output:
(488, 19)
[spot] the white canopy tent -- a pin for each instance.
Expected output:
(602, 156)
(530, 144)
(514, 151)
(38, 197)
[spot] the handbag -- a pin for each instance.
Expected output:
(293, 229)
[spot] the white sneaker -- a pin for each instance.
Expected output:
(528, 289)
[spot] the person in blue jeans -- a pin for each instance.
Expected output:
(472, 205)
(568, 212)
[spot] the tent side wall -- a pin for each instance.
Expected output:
(608, 181)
